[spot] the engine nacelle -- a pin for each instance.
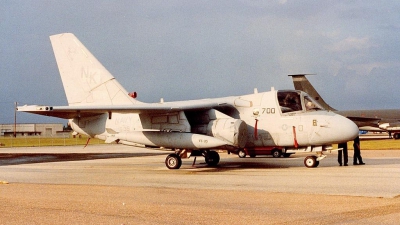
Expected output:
(390, 126)
(233, 131)
(89, 125)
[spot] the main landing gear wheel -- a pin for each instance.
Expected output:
(212, 158)
(241, 154)
(173, 161)
(311, 161)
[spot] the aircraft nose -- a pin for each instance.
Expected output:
(343, 129)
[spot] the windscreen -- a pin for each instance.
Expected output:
(289, 101)
(311, 104)
(292, 101)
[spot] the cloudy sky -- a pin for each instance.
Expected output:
(201, 49)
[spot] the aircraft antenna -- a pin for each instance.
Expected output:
(301, 74)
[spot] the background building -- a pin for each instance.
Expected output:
(32, 129)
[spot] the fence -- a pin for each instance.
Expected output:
(38, 141)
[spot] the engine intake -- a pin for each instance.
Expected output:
(233, 131)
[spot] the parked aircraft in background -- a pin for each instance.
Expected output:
(100, 107)
(382, 120)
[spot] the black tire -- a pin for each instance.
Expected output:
(252, 155)
(287, 155)
(276, 153)
(173, 161)
(242, 154)
(311, 161)
(212, 158)
(396, 136)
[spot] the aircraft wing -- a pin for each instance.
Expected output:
(69, 112)
(363, 121)
(372, 117)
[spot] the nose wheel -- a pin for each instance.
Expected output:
(311, 161)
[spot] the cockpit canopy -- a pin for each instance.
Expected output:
(292, 101)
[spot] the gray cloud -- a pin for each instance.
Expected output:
(200, 49)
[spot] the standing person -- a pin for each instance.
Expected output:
(357, 152)
(344, 153)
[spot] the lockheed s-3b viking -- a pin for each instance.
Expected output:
(98, 106)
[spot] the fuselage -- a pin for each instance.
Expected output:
(270, 120)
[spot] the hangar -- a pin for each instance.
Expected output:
(31, 129)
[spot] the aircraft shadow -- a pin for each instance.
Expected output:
(7, 159)
(376, 161)
(274, 163)
(238, 164)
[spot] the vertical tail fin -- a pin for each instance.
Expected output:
(301, 83)
(85, 80)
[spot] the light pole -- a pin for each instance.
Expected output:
(15, 119)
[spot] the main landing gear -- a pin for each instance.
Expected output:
(174, 160)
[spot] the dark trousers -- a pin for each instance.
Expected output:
(344, 153)
(357, 155)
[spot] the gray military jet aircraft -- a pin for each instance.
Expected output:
(386, 120)
(100, 107)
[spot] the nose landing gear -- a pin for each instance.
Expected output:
(313, 161)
